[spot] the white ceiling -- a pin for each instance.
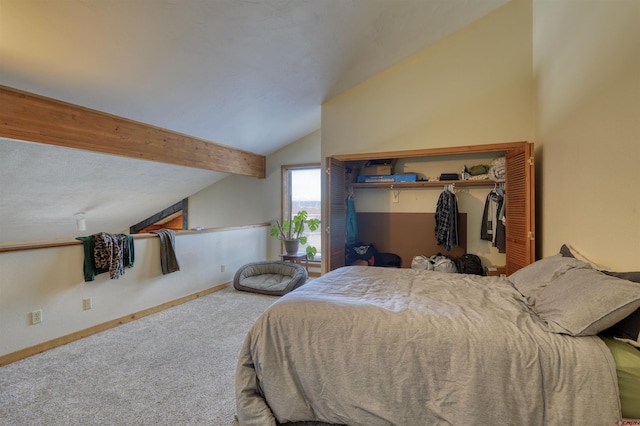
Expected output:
(245, 73)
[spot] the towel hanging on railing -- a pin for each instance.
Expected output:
(168, 260)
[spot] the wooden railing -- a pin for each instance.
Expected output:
(42, 245)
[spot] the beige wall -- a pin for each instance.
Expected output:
(563, 74)
(587, 72)
(474, 87)
(239, 200)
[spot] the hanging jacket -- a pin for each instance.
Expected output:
(492, 227)
(446, 230)
(352, 224)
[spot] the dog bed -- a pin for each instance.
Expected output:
(274, 278)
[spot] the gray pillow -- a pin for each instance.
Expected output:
(568, 251)
(627, 330)
(531, 279)
(584, 301)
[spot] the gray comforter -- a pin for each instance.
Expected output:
(385, 346)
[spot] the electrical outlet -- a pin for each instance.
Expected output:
(36, 317)
(87, 303)
(222, 268)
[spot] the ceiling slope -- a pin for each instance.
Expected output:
(246, 74)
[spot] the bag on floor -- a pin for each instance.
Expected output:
(444, 264)
(359, 253)
(470, 264)
(422, 262)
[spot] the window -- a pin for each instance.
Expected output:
(301, 191)
(173, 217)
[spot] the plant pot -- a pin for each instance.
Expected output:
(291, 246)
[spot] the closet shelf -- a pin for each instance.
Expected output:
(423, 184)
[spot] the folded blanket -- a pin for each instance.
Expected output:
(497, 170)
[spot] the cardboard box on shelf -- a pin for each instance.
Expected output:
(378, 167)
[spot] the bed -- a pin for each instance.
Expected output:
(384, 346)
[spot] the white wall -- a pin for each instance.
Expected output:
(587, 72)
(52, 279)
(239, 200)
(473, 87)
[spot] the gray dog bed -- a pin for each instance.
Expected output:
(275, 278)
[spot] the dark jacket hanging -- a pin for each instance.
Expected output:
(492, 227)
(447, 220)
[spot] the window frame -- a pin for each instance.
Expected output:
(285, 199)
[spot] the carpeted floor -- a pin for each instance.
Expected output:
(175, 367)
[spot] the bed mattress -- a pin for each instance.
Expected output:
(385, 346)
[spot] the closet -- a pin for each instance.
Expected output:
(519, 199)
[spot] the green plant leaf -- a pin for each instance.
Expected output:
(311, 252)
(293, 229)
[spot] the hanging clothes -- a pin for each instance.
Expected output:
(168, 261)
(110, 253)
(447, 220)
(89, 267)
(493, 221)
(352, 224)
(104, 252)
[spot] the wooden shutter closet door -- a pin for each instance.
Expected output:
(519, 208)
(336, 215)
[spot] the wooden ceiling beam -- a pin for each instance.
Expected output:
(33, 118)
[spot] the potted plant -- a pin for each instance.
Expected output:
(290, 232)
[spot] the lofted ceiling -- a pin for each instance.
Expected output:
(251, 74)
